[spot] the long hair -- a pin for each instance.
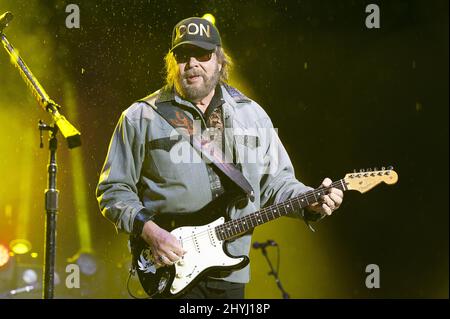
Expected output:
(171, 66)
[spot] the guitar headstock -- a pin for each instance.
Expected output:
(365, 180)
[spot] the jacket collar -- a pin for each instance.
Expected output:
(165, 94)
(234, 96)
(229, 93)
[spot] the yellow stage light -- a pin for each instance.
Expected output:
(210, 18)
(20, 246)
(80, 197)
(4, 255)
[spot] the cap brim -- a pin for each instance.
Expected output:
(200, 44)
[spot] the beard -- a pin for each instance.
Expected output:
(197, 91)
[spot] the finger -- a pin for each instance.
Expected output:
(165, 260)
(159, 257)
(172, 256)
(327, 200)
(326, 209)
(326, 182)
(177, 249)
(158, 260)
(337, 191)
(315, 208)
(336, 199)
(175, 246)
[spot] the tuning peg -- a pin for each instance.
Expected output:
(375, 168)
(354, 171)
(383, 168)
(390, 168)
(369, 170)
(361, 171)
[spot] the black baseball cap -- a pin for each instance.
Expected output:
(196, 31)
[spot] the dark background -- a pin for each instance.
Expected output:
(342, 96)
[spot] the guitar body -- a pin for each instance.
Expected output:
(205, 252)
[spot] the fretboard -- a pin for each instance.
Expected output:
(242, 225)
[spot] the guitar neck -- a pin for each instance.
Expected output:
(241, 225)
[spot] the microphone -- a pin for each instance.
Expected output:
(5, 18)
(23, 289)
(269, 242)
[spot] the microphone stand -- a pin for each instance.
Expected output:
(71, 134)
(274, 273)
(51, 207)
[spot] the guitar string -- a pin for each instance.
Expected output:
(262, 213)
(266, 210)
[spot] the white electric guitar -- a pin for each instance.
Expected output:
(204, 240)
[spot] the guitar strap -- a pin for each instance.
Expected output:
(209, 150)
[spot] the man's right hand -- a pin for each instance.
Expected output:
(165, 247)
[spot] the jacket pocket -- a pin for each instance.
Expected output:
(172, 159)
(164, 143)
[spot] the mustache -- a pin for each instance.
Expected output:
(193, 73)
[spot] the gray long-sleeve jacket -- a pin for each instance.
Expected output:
(140, 171)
